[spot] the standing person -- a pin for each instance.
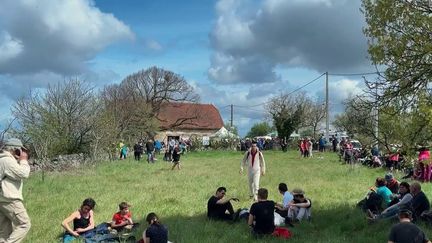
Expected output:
(156, 232)
(405, 231)
(150, 150)
(138, 150)
(284, 144)
(176, 158)
(123, 151)
(83, 222)
(254, 160)
(219, 207)
(322, 143)
(158, 146)
(334, 143)
(14, 221)
(261, 216)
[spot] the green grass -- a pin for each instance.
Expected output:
(180, 197)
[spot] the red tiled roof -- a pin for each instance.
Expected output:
(189, 116)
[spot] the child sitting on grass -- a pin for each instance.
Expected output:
(123, 218)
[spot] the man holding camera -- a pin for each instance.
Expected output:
(14, 167)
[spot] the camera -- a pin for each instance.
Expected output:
(17, 152)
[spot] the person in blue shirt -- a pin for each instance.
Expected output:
(383, 191)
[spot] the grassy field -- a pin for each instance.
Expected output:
(180, 197)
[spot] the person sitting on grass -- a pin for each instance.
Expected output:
(176, 157)
(300, 207)
(391, 183)
(83, 222)
(282, 209)
(123, 218)
(405, 231)
(156, 232)
(383, 191)
(420, 203)
(261, 215)
(404, 202)
(219, 207)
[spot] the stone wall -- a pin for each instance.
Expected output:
(60, 163)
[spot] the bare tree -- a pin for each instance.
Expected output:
(314, 115)
(135, 104)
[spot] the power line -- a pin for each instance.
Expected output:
(355, 74)
(301, 87)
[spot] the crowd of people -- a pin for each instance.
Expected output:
(388, 199)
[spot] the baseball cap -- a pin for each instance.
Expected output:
(14, 142)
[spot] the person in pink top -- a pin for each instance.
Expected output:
(424, 159)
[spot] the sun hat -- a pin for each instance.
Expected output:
(14, 142)
(297, 191)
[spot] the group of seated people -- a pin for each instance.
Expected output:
(389, 197)
(83, 225)
(294, 208)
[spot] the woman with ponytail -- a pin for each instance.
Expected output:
(156, 232)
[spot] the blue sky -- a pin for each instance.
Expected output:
(239, 52)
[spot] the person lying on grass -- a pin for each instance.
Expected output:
(219, 207)
(83, 222)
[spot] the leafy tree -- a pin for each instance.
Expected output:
(400, 33)
(259, 129)
(60, 120)
(287, 112)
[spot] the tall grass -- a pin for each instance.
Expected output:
(180, 197)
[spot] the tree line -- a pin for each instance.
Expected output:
(75, 117)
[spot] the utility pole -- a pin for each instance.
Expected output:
(232, 112)
(327, 110)
(376, 116)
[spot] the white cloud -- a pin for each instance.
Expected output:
(322, 35)
(9, 47)
(56, 36)
(153, 45)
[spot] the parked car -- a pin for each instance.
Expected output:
(356, 144)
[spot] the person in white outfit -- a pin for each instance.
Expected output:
(254, 160)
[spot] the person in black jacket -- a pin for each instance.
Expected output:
(176, 157)
(138, 150)
(420, 203)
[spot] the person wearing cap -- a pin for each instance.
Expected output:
(254, 160)
(123, 218)
(14, 167)
(405, 231)
(300, 207)
(391, 183)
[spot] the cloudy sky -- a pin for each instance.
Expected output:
(238, 52)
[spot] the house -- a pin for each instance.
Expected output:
(183, 120)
